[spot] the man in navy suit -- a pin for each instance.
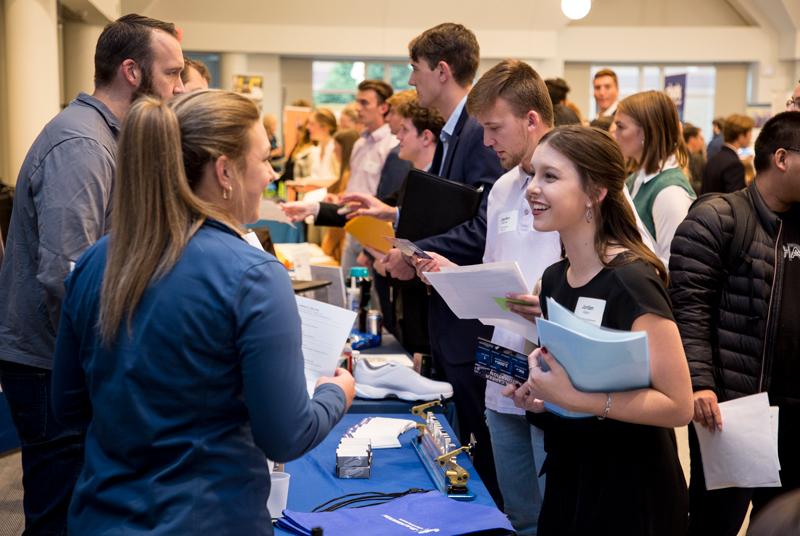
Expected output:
(444, 61)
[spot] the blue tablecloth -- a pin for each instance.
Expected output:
(313, 481)
(281, 233)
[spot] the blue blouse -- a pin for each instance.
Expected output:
(182, 411)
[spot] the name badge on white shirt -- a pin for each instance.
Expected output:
(507, 221)
(372, 167)
(590, 309)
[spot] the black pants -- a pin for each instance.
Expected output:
(721, 512)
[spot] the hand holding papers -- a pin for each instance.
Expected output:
(744, 454)
(407, 247)
(596, 359)
(472, 292)
(325, 331)
(269, 210)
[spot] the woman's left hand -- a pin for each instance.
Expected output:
(530, 311)
(554, 386)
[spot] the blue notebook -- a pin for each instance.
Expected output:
(597, 359)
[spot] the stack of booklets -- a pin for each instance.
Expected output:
(419, 513)
(597, 359)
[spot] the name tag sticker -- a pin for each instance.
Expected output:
(591, 310)
(372, 167)
(507, 221)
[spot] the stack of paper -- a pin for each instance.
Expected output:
(597, 360)
(744, 454)
(383, 431)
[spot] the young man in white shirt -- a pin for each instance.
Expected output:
(369, 152)
(513, 107)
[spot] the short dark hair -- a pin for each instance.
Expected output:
(558, 89)
(719, 122)
(198, 66)
(381, 89)
(781, 132)
(690, 131)
(127, 38)
(564, 115)
(422, 118)
(603, 122)
(607, 72)
(517, 83)
(454, 44)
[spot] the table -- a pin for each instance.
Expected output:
(313, 481)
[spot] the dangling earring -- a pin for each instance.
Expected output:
(589, 215)
(224, 193)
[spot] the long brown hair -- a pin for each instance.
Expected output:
(600, 164)
(161, 151)
(346, 138)
(658, 117)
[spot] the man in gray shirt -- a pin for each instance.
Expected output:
(61, 207)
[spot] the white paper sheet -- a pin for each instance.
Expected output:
(300, 257)
(316, 196)
(744, 454)
(470, 293)
(253, 240)
(336, 292)
(269, 210)
(325, 331)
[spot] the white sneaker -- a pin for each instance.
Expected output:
(395, 379)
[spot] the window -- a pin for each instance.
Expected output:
(698, 107)
(336, 82)
(211, 61)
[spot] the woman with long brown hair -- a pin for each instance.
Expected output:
(650, 137)
(179, 343)
(618, 473)
(344, 139)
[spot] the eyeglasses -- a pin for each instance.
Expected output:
(793, 102)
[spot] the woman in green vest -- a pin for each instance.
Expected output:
(649, 134)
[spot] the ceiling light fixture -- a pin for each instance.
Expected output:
(576, 9)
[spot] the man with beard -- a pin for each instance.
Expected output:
(61, 208)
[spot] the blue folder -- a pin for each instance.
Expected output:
(597, 359)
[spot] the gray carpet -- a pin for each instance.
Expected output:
(12, 520)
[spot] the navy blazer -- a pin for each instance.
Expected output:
(393, 173)
(724, 172)
(468, 161)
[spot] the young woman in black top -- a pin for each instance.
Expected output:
(618, 473)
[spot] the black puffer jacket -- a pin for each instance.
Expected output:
(723, 317)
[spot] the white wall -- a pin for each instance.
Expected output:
(5, 168)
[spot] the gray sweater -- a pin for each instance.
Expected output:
(61, 207)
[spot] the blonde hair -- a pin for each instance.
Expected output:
(269, 121)
(658, 117)
(402, 97)
(325, 118)
(162, 151)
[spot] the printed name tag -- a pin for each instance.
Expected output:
(372, 167)
(590, 309)
(507, 221)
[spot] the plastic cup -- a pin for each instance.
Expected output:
(278, 493)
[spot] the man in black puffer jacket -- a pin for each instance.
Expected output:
(740, 319)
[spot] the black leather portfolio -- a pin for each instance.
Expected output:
(433, 205)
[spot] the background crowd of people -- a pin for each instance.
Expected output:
(152, 358)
